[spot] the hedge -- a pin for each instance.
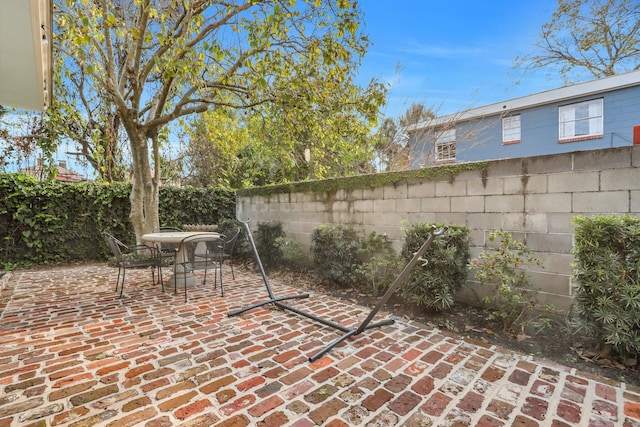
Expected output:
(43, 222)
(607, 280)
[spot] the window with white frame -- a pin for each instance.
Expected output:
(511, 129)
(446, 145)
(580, 121)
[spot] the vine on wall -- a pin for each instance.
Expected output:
(359, 182)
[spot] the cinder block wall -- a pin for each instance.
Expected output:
(534, 198)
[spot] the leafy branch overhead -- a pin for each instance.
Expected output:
(166, 59)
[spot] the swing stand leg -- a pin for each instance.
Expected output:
(351, 333)
(272, 298)
(366, 324)
(260, 304)
(348, 333)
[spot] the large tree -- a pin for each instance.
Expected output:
(4, 135)
(271, 146)
(214, 141)
(318, 128)
(159, 60)
(599, 37)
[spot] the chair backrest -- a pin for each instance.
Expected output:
(166, 248)
(115, 245)
(230, 241)
(202, 244)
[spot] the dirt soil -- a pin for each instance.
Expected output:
(554, 343)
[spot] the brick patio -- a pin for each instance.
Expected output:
(73, 354)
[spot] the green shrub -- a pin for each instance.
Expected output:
(277, 250)
(335, 253)
(513, 299)
(345, 256)
(294, 257)
(379, 264)
(607, 281)
(266, 238)
(435, 284)
(43, 222)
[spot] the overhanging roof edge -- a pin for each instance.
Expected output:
(592, 87)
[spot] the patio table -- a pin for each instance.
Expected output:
(175, 238)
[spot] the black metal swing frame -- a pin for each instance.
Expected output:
(347, 332)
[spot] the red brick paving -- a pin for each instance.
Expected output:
(73, 354)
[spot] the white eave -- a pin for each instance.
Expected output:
(25, 53)
(565, 93)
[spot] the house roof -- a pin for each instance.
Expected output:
(62, 173)
(564, 93)
(26, 41)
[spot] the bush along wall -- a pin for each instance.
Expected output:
(335, 253)
(607, 281)
(347, 257)
(435, 283)
(42, 222)
(266, 240)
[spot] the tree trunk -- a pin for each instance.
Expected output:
(145, 191)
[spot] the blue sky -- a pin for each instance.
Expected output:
(450, 54)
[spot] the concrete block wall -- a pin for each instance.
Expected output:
(534, 198)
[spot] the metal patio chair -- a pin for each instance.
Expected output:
(231, 238)
(167, 250)
(202, 252)
(134, 256)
